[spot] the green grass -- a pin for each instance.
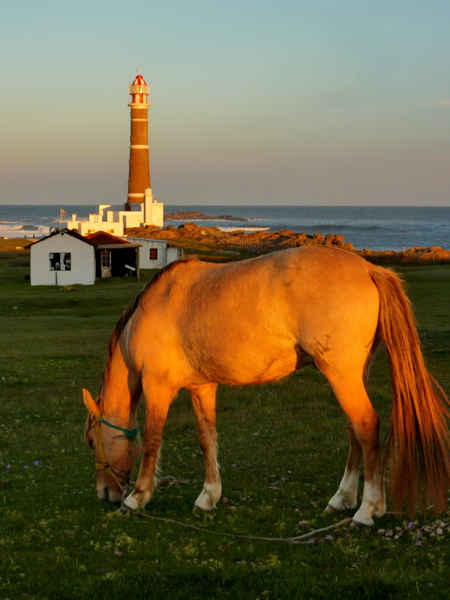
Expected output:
(282, 453)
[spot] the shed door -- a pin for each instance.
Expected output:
(105, 263)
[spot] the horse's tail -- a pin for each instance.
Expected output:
(418, 446)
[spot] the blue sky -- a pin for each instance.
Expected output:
(253, 102)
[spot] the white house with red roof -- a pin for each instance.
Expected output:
(66, 258)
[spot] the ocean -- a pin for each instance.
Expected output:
(372, 227)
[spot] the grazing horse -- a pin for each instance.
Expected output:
(199, 324)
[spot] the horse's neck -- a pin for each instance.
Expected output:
(121, 389)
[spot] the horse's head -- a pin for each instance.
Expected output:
(116, 450)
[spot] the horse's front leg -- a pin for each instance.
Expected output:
(204, 403)
(347, 495)
(157, 400)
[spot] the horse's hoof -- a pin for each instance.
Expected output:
(359, 524)
(330, 510)
(209, 497)
(203, 502)
(130, 503)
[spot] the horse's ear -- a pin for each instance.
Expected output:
(90, 404)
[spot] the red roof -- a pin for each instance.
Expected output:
(139, 81)
(101, 238)
(97, 239)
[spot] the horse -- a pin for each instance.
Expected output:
(200, 324)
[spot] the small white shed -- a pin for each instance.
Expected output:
(62, 258)
(155, 254)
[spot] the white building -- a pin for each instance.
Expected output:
(149, 212)
(155, 254)
(62, 258)
(67, 258)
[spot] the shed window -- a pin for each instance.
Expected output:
(153, 253)
(60, 261)
(105, 259)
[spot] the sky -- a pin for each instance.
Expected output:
(288, 102)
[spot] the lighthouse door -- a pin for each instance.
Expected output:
(105, 262)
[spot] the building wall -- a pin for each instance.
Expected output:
(164, 254)
(173, 254)
(94, 225)
(154, 214)
(116, 221)
(82, 261)
(139, 166)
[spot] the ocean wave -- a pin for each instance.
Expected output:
(343, 226)
(300, 224)
(230, 229)
(22, 231)
(211, 219)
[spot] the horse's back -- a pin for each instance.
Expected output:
(256, 320)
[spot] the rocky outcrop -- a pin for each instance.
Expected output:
(229, 242)
(433, 254)
(259, 240)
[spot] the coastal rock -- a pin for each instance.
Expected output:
(169, 234)
(227, 242)
(436, 254)
(188, 226)
(334, 240)
(300, 237)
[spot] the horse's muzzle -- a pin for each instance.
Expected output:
(106, 493)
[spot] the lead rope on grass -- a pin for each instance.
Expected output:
(300, 539)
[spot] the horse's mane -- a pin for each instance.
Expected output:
(128, 313)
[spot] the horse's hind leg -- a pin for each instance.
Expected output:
(204, 403)
(347, 495)
(352, 397)
(157, 401)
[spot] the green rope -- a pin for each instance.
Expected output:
(131, 434)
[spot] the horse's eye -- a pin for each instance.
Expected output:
(91, 444)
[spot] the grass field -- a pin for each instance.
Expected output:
(282, 453)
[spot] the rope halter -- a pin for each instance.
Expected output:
(122, 479)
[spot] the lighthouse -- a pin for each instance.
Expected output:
(139, 166)
(141, 208)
